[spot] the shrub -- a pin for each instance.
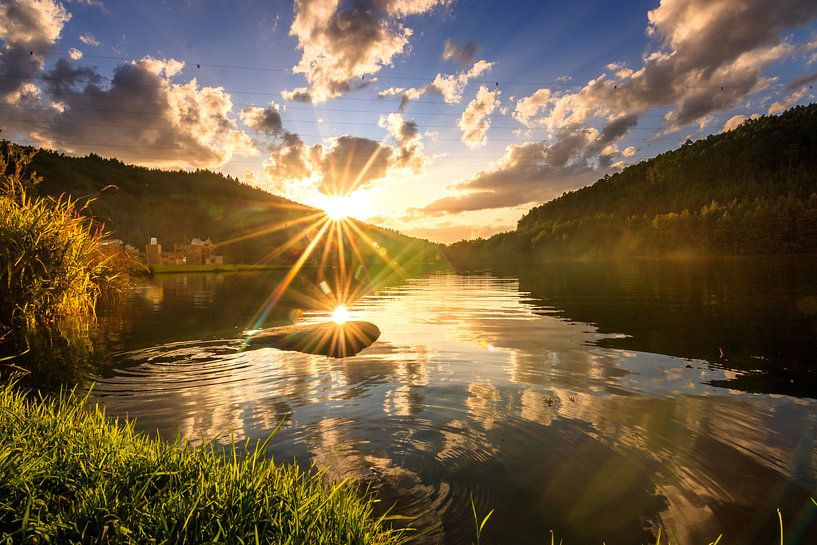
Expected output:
(51, 263)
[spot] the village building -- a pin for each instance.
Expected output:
(195, 252)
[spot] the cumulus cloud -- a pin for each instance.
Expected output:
(451, 86)
(342, 44)
(475, 120)
(88, 39)
(289, 159)
(409, 151)
(711, 54)
(782, 105)
(528, 172)
(28, 28)
(462, 54)
(140, 116)
(264, 120)
(347, 163)
(344, 165)
(74, 54)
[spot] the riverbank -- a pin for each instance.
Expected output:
(177, 269)
(69, 474)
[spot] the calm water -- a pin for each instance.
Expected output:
(591, 399)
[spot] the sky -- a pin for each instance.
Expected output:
(444, 119)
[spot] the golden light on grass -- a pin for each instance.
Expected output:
(340, 315)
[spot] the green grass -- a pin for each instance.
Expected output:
(68, 474)
(51, 264)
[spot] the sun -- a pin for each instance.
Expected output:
(342, 207)
(340, 315)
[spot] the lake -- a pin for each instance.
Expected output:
(597, 400)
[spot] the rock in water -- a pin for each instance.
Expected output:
(328, 339)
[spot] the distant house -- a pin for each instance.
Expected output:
(195, 252)
(153, 252)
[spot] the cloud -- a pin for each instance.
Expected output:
(475, 120)
(90, 3)
(528, 107)
(784, 104)
(140, 116)
(29, 28)
(451, 86)
(409, 151)
(352, 163)
(462, 54)
(528, 172)
(290, 159)
(347, 163)
(801, 81)
(733, 123)
(264, 120)
(342, 44)
(88, 39)
(629, 151)
(711, 54)
(28, 23)
(75, 54)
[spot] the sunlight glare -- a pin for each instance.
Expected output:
(340, 315)
(342, 207)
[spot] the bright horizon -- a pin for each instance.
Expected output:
(442, 119)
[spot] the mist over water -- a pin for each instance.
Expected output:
(599, 400)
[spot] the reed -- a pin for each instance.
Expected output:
(68, 474)
(51, 264)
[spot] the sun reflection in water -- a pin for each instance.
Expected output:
(340, 315)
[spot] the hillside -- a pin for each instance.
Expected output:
(752, 190)
(175, 206)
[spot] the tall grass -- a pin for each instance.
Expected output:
(70, 475)
(51, 264)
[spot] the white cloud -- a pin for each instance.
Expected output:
(475, 120)
(29, 28)
(343, 44)
(192, 128)
(463, 54)
(88, 39)
(346, 163)
(451, 86)
(711, 54)
(265, 120)
(75, 54)
(782, 105)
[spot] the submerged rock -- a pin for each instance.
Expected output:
(328, 339)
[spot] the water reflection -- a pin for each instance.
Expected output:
(559, 402)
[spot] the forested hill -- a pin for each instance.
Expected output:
(176, 206)
(752, 190)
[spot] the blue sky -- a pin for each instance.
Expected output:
(446, 119)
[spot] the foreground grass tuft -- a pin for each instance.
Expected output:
(69, 475)
(52, 266)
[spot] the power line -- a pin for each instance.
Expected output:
(426, 78)
(327, 123)
(413, 113)
(505, 83)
